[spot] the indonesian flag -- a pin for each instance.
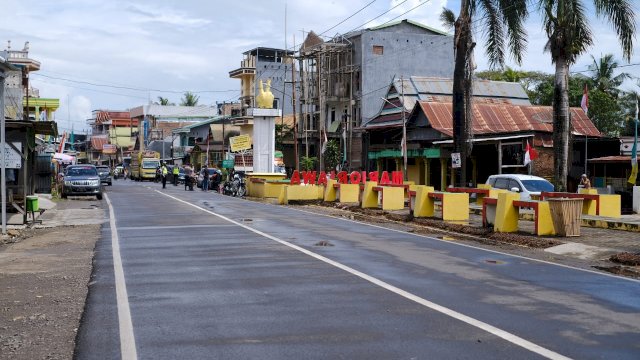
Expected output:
(584, 103)
(530, 154)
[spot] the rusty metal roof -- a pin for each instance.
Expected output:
(505, 118)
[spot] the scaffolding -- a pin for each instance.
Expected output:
(326, 88)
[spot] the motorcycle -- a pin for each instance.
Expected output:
(238, 185)
(189, 180)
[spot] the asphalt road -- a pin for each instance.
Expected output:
(201, 275)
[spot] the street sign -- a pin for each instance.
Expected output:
(109, 149)
(455, 160)
(12, 159)
(239, 143)
(227, 164)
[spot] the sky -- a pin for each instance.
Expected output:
(119, 54)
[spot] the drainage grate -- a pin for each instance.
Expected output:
(323, 243)
(246, 220)
(495, 262)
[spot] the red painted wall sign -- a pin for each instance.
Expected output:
(312, 177)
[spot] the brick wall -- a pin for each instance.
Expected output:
(543, 165)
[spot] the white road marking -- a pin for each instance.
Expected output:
(127, 340)
(512, 338)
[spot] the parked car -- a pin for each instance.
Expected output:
(105, 174)
(81, 180)
(526, 185)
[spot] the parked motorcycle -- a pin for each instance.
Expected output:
(238, 185)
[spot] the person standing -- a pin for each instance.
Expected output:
(164, 171)
(205, 179)
(176, 173)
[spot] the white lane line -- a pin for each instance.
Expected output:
(127, 340)
(512, 338)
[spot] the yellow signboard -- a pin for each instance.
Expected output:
(239, 143)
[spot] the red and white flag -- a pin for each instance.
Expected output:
(584, 103)
(530, 154)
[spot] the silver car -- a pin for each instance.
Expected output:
(81, 180)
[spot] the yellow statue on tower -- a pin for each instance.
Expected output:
(265, 98)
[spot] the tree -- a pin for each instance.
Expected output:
(163, 101)
(332, 154)
(189, 99)
(569, 36)
(602, 74)
(605, 112)
(283, 133)
(308, 163)
(504, 23)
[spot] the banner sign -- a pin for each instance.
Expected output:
(239, 143)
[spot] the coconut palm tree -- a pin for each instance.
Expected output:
(164, 101)
(569, 35)
(189, 99)
(504, 23)
(602, 74)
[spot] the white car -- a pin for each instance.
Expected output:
(526, 185)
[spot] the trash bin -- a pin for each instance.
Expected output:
(566, 215)
(32, 203)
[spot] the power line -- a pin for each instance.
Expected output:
(352, 15)
(130, 88)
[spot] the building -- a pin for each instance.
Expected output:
(262, 64)
(17, 81)
(342, 80)
(112, 136)
(232, 109)
(503, 121)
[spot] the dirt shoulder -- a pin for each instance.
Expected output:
(43, 286)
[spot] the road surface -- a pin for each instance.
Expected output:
(187, 275)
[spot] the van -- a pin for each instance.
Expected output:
(526, 185)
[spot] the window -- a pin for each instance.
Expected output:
(512, 155)
(514, 184)
(378, 49)
(502, 184)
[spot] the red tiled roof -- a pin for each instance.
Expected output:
(505, 118)
(104, 116)
(612, 159)
(97, 142)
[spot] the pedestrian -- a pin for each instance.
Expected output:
(205, 179)
(176, 173)
(164, 172)
(585, 183)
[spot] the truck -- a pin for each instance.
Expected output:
(144, 165)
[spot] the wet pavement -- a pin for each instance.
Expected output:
(210, 276)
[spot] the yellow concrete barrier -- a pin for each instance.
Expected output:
(423, 205)
(349, 193)
(506, 214)
(610, 206)
(543, 220)
(272, 190)
(330, 193)
(455, 206)
(298, 193)
(392, 198)
(369, 197)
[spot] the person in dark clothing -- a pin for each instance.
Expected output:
(205, 179)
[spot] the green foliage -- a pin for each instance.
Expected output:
(163, 101)
(602, 74)
(605, 112)
(308, 163)
(189, 99)
(332, 154)
(284, 133)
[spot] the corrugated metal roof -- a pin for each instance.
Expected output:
(505, 118)
(98, 142)
(174, 111)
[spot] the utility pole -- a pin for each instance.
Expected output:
(293, 100)
(404, 132)
(3, 182)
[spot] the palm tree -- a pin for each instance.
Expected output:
(504, 23)
(189, 99)
(163, 101)
(569, 34)
(602, 74)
